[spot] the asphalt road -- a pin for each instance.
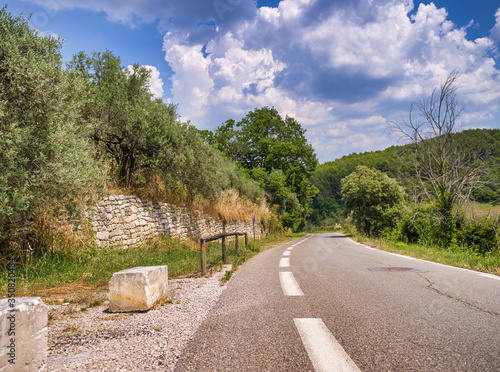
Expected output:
(326, 303)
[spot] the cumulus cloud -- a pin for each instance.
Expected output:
(343, 68)
(155, 82)
(495, 31)
(372, 57)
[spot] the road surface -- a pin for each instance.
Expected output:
(326, 303)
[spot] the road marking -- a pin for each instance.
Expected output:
(289, 249)
(325, 352)
(287, 253)
(491, 276)
(402, 256)
(289, 284)
(284, 262)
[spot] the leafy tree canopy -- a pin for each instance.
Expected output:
(375, 200)
(275, 152)
(44, 161)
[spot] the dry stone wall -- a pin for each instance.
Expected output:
(127, 221)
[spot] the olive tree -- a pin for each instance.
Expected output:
(375, 200)
(44, 159)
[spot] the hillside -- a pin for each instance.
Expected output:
(396, 162)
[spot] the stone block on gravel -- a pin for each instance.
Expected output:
(24, 334)
(138, 288)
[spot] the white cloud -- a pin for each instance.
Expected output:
(155, 82)
(191, 84)
(342, 68)
(344, 63)
(495, 31)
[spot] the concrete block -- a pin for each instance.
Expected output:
(24, 334)
(138, 288)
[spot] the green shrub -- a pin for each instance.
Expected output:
(480, 236)
(375, 200)
(425, 225)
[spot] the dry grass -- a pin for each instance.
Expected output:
(58, 234)
(231, 206)
(49, 232)
(235, 208)
(480, 209)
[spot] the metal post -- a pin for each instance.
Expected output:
(203, 258)
(246, 240)
(224, 254)
(236, 242)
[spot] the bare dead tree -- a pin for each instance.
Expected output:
(447, 172)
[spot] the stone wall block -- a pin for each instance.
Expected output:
(134, 220)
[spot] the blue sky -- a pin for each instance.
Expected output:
(343, 68)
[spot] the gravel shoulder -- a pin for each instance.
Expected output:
(96, 340)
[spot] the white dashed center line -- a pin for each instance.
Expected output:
(289, 284)
(287, 253)
(325, 352)
(284, 262)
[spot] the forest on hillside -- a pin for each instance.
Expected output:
(397, 163)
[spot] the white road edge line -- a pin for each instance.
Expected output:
(289, 284)
(287, 253)
(491, 276)
(402, 256)
(284, 262)
(325, 352)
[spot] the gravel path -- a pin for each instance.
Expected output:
(96, 340)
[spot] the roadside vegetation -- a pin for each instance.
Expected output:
(91, 269)
(425, 208)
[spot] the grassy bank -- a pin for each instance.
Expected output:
(91, 269)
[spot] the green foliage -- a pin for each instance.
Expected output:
(397, 163)
(44, 160)
(143, 138)
(425, 224)
(127, 124)
(376, 201)
(275, 153)
(481, 235)
(328, 203)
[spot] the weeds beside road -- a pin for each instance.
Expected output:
(89, 270)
